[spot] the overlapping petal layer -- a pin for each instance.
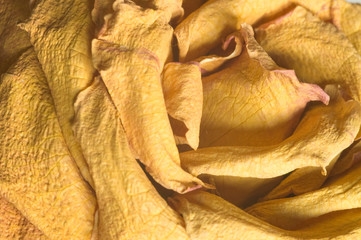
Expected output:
(341, 193)
(129, 206)
(130, 60)
(183, 95)
(60, 32)
(13, 225)
(205, 28)
(37, 173)
(210, 217)
(298, 41)
(334, 127)
(252, 101)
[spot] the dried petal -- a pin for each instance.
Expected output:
(347, 17)
(252, 101)
(129, 206)
(211, 63)
(204, 29)
(340, 194)
(349, 157)
(37, 173)
(11, 12)
(336, 128)
(183, 95)
(212, 218)
(130, 53)
(298, 41)
(60, 31)
(13, 225)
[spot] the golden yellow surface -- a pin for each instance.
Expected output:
(221, 220)
(180, 119)
(333, 126)
(252, 101)
(183, 96)
(131, 68)
(38, 175)
(60, 32)
(129, 206)
(298, 41)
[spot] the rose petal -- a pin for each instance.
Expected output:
(38, 175)
(317, 51)
(204, 29)
(336, 128)
(252, 101)
(212, 218)
(130, 53)
(129, 206)
(341, 194)
(60, 31)
(183, 95)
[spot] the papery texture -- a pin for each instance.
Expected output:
(300, 181)
(341, 193)
(183, 95)
(128, 55)
(13, 225)
(129, 206)
(38, 175)
(205, 28)
(61, 33)
(298, 41)
(210, 217)
(305, 179)
(333, 127)
(252, 101)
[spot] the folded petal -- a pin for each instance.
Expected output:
(252, 101)
(333, 127)
(37, 173)
(305, 179)
(210, 63)
(210, 217)
(204, 28)
(300, 181)
(183, 95)
(340, 194)
(129, 206)
(317, 51)
(130, 53)
(61, 32)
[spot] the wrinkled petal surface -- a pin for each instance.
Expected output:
(129, 206)
(61, 33)
(130, 61)
(37, 173)
(334, 127)
(252, 101)
(210, 217)
(183, 95)
(205, 28)
(340, 194)
(298, 40)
